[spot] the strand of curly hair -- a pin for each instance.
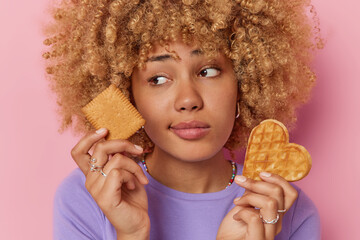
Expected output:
(93, 43)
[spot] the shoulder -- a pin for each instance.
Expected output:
(75, 179)
(303, 205)
(72, 191)
(302, 220)
(76, 214)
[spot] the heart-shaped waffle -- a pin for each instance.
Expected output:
(269, 150)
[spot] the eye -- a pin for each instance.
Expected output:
(209, 72)
(158, 80)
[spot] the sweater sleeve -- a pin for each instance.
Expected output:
(305, 219)
(301, 221)
(76, 214)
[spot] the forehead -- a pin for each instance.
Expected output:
(175, 50)
(172, 47)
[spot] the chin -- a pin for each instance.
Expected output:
(193, 152)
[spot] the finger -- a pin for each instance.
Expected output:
(95, 183)
(268, 209)
(122, 162)
(80, 151)
(290, 193)
(110, 194)
(255, 226)
(130, 185)
(102, 151)
(240, 202)
(267, 204)
(272, 190)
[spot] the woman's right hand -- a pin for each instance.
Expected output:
(121, 194)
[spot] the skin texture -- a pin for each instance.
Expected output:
(191, 88)
(174, 88)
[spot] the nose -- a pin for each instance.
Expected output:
(188, 97)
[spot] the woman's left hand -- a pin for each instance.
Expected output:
(261, 199)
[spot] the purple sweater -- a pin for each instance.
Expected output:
(173, 215)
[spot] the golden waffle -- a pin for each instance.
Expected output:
(112, 110)
(269, 150)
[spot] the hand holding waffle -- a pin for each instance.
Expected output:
(271, 158)
(258, 213)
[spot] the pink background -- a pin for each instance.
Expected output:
(35, 158)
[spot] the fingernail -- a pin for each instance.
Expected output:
(265, 174)
(240, 179)
(101, 130)
(237, 199)
(145, 180)
(138, 147)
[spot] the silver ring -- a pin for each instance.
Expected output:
(93, 160)
(94, 168)
(282, 210)
(274, 221)
(102, 173)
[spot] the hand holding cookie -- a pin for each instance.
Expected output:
(115, 182)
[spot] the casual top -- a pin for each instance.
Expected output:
(174, 215)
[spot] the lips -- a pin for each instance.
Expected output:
(191, 130)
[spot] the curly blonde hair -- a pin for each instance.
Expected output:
(93, 43)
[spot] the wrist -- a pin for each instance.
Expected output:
(133, 237)
(142, 235)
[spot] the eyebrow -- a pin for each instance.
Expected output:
(163, 57)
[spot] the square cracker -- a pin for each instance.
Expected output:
(112, 110)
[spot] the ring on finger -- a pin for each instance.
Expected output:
(93, 160)
(95, 168)
(282, 210)
(274, 221)
(102, 173)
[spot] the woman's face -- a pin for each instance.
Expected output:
(188, 103)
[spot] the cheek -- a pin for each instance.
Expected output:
(228, 118)
(152, 110)
(226, 108)
(155, 126)
(223, 101)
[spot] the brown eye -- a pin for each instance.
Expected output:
(209, 72)
(158, 80)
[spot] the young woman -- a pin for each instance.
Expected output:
(202, 74)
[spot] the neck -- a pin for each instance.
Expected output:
(210, 175)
